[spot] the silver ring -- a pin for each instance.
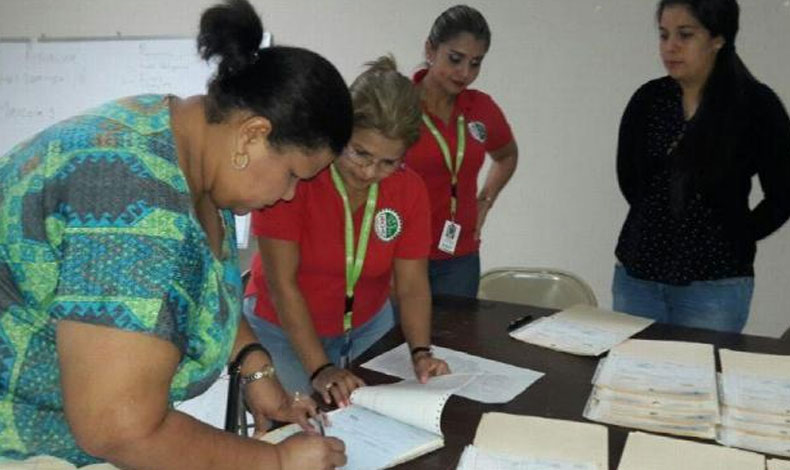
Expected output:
(329, 385)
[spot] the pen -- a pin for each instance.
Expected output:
(319, 420)
(519, 322)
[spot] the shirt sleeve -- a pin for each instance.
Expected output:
(630, 158)
(283, 220)
(415, 242)
(499, 132)
(772, 147)
(120, 235)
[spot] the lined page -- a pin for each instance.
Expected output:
(411, 402)
(582, 330)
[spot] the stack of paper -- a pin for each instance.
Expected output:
(582, 330)
(648, 452)
(661, 386)
(755, 394)
(510, 442)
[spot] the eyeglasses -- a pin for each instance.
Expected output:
(382, 165)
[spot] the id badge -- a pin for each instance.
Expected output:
(449, 238)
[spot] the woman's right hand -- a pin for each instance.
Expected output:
(310, 452)
(336, 384)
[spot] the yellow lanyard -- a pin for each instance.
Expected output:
(354, 263)
(460, 149)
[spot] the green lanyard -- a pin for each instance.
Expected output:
(460, 149)
(354, 263)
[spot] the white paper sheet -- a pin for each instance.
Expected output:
(494, 382)
(411, 402)
(47, 462)
(758, 393)
(243, 223)
(582, 330)
(649, 452)
(474, 458)
(746, 440)
(776, 464)
(664, 376)
(534, 437)
(375, 441)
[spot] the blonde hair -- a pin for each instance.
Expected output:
(386, 101)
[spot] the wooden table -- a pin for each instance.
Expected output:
(479, 327)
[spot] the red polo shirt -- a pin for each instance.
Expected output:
(314, 219)
(487, 130)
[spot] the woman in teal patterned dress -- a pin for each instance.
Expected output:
(119, 285)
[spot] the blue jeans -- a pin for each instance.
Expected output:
(721, 305)
(289, 368)
(455, 276)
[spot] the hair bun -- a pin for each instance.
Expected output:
(231, 31)
(383, 64)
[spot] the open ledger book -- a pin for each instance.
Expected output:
(387, 425)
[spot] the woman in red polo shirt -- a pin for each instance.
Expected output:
(461, 126)
(322, 280)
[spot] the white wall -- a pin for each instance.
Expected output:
(562, 69)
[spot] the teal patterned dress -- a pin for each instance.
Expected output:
(97, 226)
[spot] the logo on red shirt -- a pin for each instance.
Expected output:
(478, 131)
(388, 224)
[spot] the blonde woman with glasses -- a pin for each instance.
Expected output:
(319, 294)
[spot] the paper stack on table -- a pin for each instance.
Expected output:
(582, 330)
(755, 396)
(511, 442)
(649, 452)
(661, 386)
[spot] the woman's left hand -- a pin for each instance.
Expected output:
(267, 400)
(427, 366)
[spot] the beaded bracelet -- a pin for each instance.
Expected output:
(266, 372)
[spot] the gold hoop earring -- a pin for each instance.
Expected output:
(240, 160)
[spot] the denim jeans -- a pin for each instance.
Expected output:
(289, 368)
(721, 305)
(455, 276)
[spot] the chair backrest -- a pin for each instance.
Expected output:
(541, 287)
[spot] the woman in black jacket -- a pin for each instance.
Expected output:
(689, 145)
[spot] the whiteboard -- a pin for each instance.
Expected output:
(42, 83)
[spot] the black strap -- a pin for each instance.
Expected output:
(235, 365)
(234, 409)
(319, 370)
